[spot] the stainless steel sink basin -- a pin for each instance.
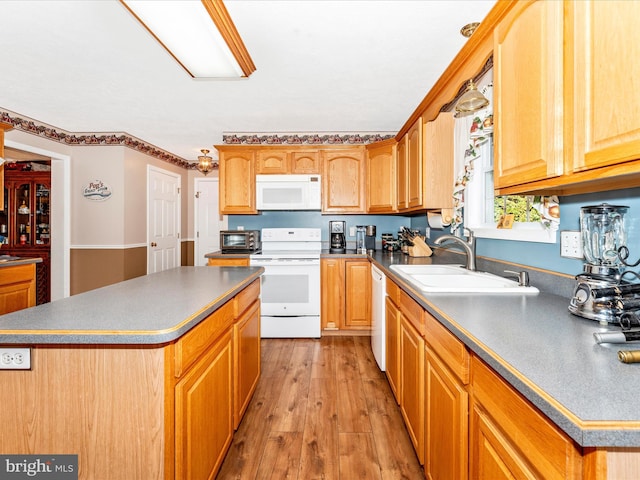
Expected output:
(456, 279)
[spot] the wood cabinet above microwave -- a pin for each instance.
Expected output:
(284, 161)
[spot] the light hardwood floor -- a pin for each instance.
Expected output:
(322, 410)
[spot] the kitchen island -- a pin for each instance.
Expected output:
(144, 379)
(17, 283)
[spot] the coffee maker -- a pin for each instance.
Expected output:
(338, 241)
(370, 238)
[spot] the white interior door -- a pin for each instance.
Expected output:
(208, 220)
(163, 227)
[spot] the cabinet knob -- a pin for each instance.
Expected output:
(154, 244)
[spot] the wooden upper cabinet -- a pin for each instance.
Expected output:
(528, 93)
(605, 115)
(272, 161)
(285, 161)
(343, 180)
(438, 161)
(403, 174)
(237, 181)
(305, 162)
(415, 164)
(381, 177)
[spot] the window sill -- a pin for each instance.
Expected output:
(519, 232)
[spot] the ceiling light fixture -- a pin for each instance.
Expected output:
(471, 100)
(469, 28)
(205, 162)
(198, 34)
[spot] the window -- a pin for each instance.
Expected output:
(482, 210)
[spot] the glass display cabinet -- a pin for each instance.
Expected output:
(24, 222)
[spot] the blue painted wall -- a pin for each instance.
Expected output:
(541, 255)
(547, 255)
(383, 223)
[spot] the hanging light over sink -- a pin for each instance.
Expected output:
(471, 100)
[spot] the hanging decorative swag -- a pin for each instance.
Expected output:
(480, 133)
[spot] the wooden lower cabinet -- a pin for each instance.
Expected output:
(204, 413)
(392, 340)
(17, 287)
(446, 419)
(412, 384)
(345, 294)
(246, 350)
(228, 262)
(509, 438)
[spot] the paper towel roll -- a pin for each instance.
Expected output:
(439, 219)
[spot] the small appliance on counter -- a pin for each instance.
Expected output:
(337, 230)
(361, 235)
(600, 293)
(240, 241)
(370, 238)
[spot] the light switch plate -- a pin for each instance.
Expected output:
(571, 244)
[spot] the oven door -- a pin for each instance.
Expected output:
(290, 287)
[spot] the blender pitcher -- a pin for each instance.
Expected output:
(603, 233)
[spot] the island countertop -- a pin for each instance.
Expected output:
(152, 309)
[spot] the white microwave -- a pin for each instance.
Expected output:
(288, 192)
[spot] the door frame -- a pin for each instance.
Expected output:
(178, 177)
(196, 188)
(60, 217)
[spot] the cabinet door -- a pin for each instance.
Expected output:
(343, 183)
(357, 297)
(528, 94)
(447, 425)
(412, 384)
(605, 68)
(246, 337)
(381, 178)
(272, 161)
(415, 178)
(17, 288)
(392, 368)
(403, 174)
(237, 182)
(438, 161)
(204, 413)
(305, 162)
(492, 457)
(332, 293)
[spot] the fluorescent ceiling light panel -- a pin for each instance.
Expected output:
(198, 34)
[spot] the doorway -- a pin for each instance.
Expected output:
(208, 221)
(163, 219)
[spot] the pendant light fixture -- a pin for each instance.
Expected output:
(205, 162)
(471, 100)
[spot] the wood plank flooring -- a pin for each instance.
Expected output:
(322, 410)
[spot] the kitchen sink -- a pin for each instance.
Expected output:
(457, 279)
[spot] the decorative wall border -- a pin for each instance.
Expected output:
(304, 138)
(40, 129)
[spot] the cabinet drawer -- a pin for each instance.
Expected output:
(393, 292)
(196, 341)
(413, 311)
(452, 351)
(17, 274)
(545, 447)
(228, 262)
(246, 297)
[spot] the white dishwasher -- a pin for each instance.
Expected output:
(378, 323)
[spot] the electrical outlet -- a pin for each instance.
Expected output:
(571, 244)
(15, 358)
(352, 231)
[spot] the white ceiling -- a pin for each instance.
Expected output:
(322, 66)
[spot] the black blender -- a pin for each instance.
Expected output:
(600, 293)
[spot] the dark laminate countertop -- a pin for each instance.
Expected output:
(152, 309)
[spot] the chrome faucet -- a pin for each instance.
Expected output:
(468, 245)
